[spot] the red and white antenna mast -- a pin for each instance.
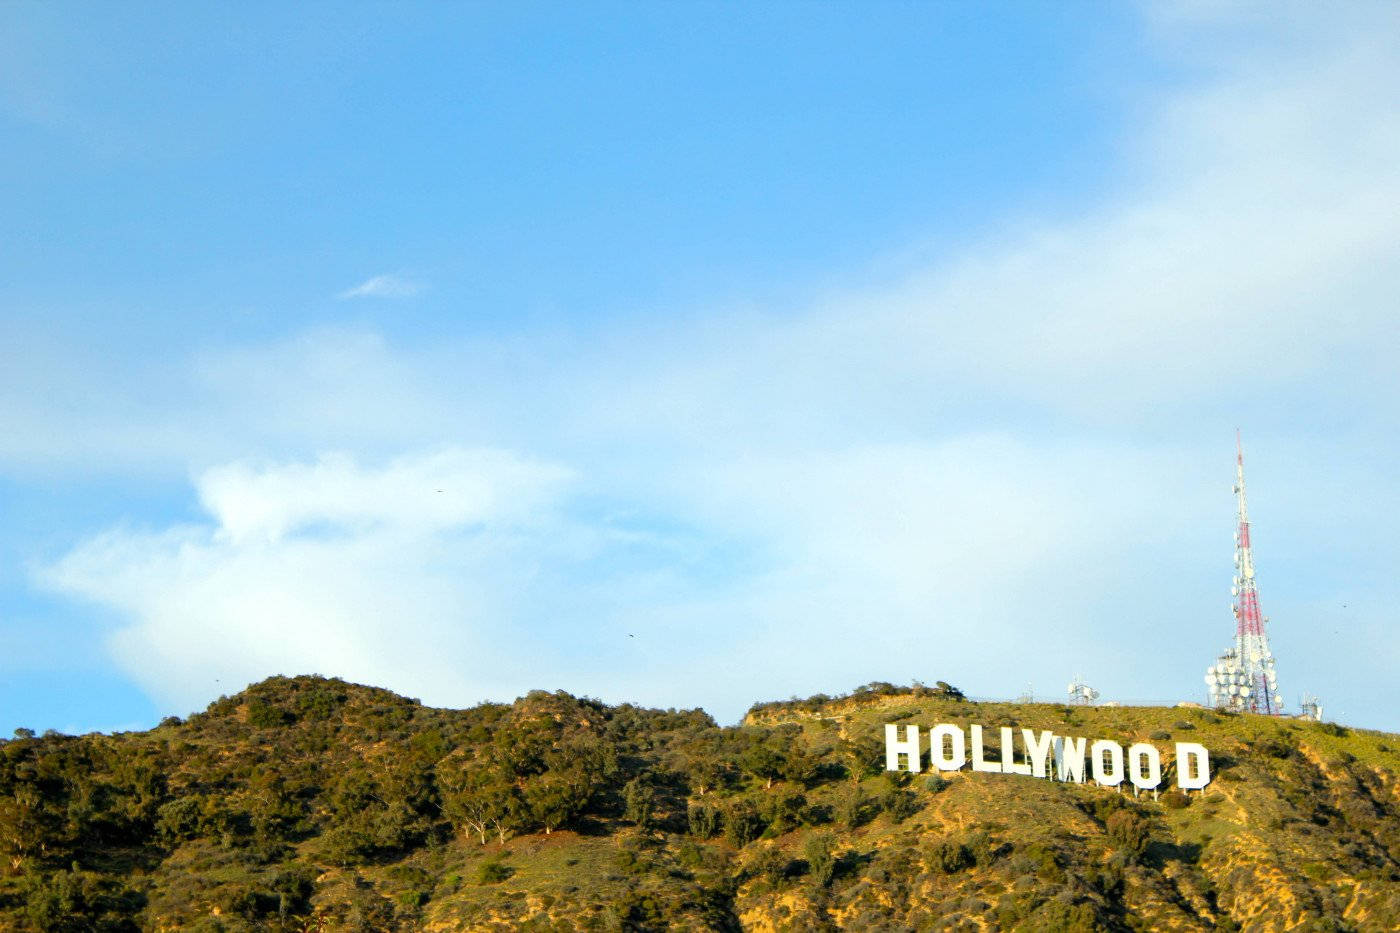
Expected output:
(1244, 678)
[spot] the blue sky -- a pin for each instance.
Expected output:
(692, 354)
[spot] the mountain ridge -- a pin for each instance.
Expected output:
(306, 803)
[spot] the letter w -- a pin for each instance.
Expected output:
(1069, 759)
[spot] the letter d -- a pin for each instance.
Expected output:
(1192, 766)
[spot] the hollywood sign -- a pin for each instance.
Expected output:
(1107, 762)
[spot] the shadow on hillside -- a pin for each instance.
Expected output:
(588, 826)
(1159, 853)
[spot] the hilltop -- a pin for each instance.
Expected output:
(306, 804)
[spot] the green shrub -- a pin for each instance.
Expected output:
(936, 783)
(493, 872)
(1174, 799)
(772, 864)
(1275, 747)
(1128, 833)
(630, 863)
(854, 807)
(742, 824)
(79, 901)
(983, 850)
(948, 857)
(821, 862)
(640, 800)
(703, 821)
(1060, 916)
(899, 804)
(263, 715)
(690, 855)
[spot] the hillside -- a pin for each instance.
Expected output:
(313, 804)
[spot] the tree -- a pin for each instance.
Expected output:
(22, 825)
(480, 797)
(639, 798)
(863, 756)
(783, 810)
(798, 766)
(703, 821)
(705, 774)
(853, 808)
(772, 864)
(762, 761)
(1128, 832)
(742, 824)
(820, 860)
(555, 797)
(948, 857)
(948, 691)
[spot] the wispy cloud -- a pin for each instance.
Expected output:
(402, 574)
(384, 286)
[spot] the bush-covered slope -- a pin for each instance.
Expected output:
(313, 804)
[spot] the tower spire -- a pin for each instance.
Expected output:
(1244, 677)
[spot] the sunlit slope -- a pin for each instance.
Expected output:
(308, 803)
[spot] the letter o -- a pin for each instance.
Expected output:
(1112, 775)
(1141, 754)
(958, 753)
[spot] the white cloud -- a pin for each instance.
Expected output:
(383, 286)
(789, 574)
(453, 488)
(331, 567)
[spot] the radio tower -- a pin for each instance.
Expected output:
(1243, 678)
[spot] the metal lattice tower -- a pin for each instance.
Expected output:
(1081, 693)
(1243, 678)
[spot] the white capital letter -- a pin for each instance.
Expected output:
(979, 761)
(1192, 766)
(1038, 752)
(1137, 754)
(1008, 763)
(957, 756)
(894, 747)
(1069, 758)
(1113, 774)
